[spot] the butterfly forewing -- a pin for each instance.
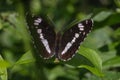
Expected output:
(72, 39)
(43, 35)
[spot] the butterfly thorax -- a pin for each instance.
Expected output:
(57, 44)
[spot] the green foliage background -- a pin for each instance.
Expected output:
(98, 57)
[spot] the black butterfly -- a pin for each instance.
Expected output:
(49, 43)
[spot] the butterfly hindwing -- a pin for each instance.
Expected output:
(43, 35)
(72, 39)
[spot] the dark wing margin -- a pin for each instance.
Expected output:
(72, 39)
(43, 35)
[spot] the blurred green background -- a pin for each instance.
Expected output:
(97, 59)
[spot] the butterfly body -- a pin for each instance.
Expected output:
(49, 43)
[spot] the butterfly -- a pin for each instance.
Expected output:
(49, 43)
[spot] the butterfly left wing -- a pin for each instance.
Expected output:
(43, 35)
(72, 39)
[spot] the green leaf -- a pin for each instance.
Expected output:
(99, 38)
(93, 57)
(4, 64)
(108, 75)
(117, 2)
(113, 19)
(59, 71)
(26, 58)
(37, 7)
(3, 69)
(102, 16)
(113, 62)
(1, 26)
(92, 69)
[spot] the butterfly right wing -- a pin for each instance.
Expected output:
(43, 35)
(72, 39)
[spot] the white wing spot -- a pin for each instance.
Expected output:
(37, 21)
(76, 35)
(73, 40)
(39, 31)
(66, 48)
(44, 41)
(83, 33)
(41, 36)
(81, 27)
(36, 24)
(69, 44)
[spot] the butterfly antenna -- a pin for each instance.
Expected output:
(49, 18)
(71, 24)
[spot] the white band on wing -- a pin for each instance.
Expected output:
(43, 40)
